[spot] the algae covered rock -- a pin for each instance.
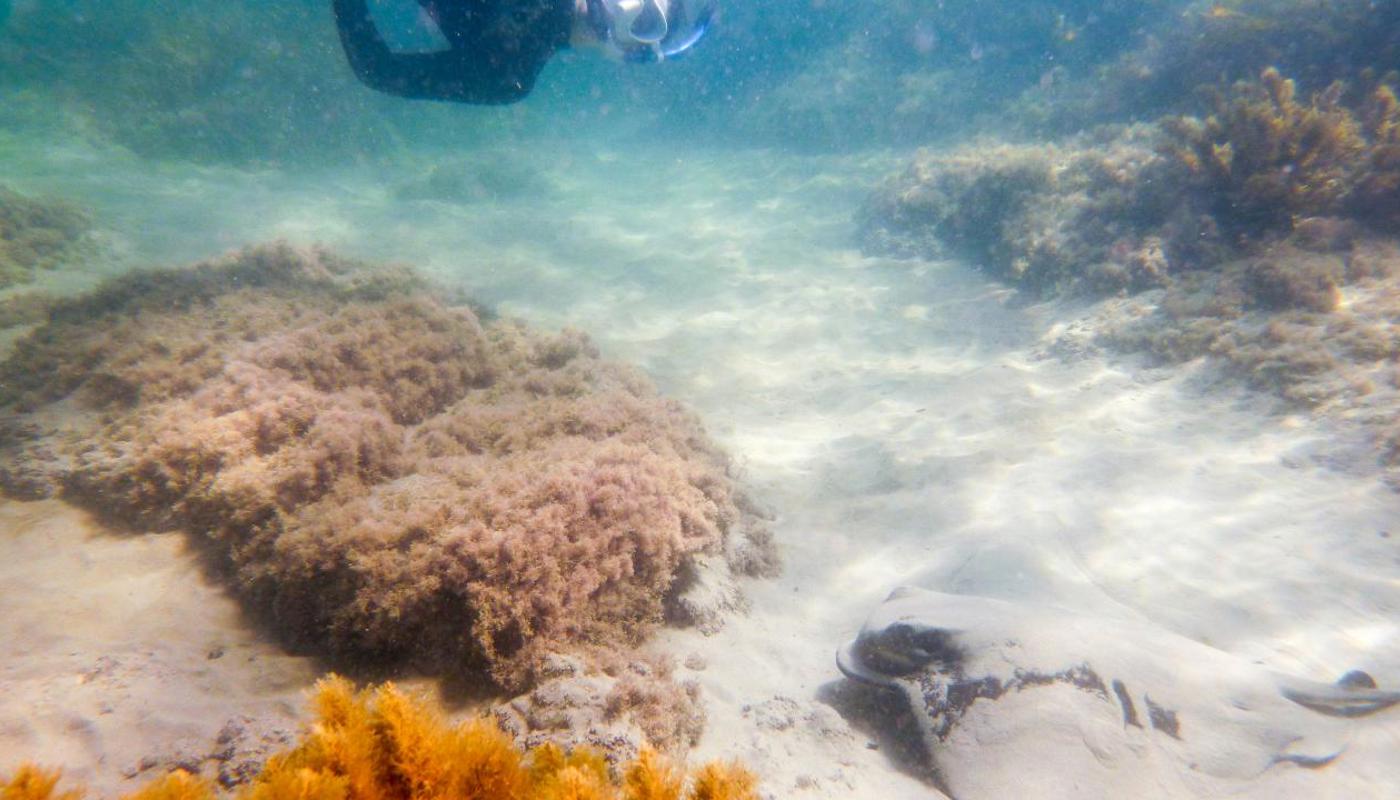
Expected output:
(1099, 212)
(386, 478)
(1294, 279)
(617, 706)
(1127, 209)
(1260, 238)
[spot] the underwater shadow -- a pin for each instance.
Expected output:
(885, 717)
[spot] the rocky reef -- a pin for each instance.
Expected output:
(910, 73)
(384, 478)
(1123, 208)
(1101, 212)
(1260, 234)
(385, 744)
(1317, 43)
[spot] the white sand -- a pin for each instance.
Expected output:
(906, 422)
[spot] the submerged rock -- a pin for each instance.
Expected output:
(616, 706)
(383, 477)
(1100, 214)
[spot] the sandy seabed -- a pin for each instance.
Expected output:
(908, 423)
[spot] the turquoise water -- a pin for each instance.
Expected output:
(266, 76)
(259, 80)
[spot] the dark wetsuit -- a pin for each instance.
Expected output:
(496, 49)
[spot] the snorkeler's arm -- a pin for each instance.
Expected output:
(482, 74)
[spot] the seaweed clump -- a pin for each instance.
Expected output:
(387, 480)
(1375, 191)
(384, 744)
(1266, 159)
(36, 234)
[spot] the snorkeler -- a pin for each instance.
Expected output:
(491, 51)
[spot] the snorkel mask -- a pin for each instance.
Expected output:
(642, 31)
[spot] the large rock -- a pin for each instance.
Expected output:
(383, 477)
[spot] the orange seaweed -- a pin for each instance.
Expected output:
(178, 785)
(384, 744)
(34, 783)
(650, 777)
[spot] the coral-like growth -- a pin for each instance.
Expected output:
(1266, 158)
(578, 775)
(387, 743)
(36, 234)
(387, 478)
(383, 744)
